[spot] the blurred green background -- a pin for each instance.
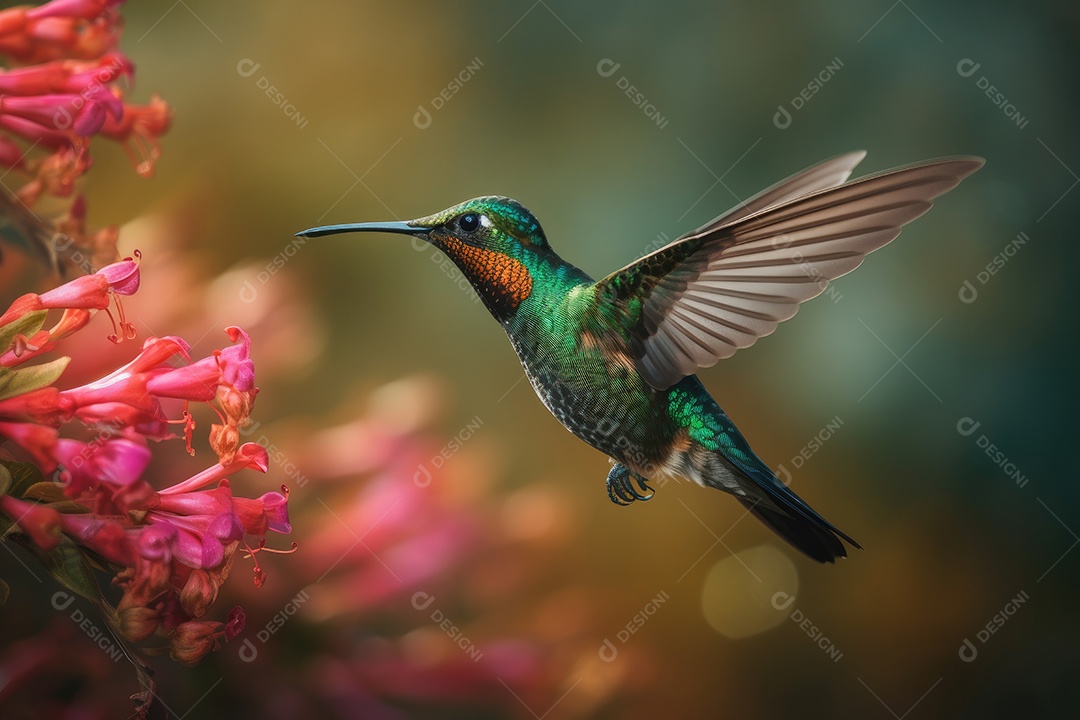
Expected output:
(894, 360)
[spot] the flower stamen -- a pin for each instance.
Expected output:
(259, 573)
(114, 336)
(21, 344)
(189, 429)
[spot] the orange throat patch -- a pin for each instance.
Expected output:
(501, 281)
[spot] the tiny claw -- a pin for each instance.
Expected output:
(645, 488)
(620, 486)
(617, 499)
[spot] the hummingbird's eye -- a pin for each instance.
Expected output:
(469, 222)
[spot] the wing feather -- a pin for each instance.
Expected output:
(732, 281)
(826, 174)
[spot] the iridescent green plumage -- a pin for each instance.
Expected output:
(614, 360)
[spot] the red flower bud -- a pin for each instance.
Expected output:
(193, 640)
(199, 593)
(138, 623)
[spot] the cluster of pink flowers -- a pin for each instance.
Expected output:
(66, 90)
(171, 548)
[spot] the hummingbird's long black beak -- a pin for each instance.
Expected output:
(400, 228)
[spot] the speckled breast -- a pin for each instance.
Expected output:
(605, 405)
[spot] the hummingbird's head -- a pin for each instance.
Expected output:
(498, 224)
(494, 240)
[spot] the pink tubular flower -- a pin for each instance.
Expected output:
(108, 68)
(237, 368)
(84, 115)
(23, 305)
(127, 386)
(230, 368)
(269, 512)
(148, 575)
(106, 474)
(83, 9)
(205, 525)
(41, 523)
(139, 130)
(68, 90)
(202, 541)
(76, 298)
(103, 535)
(155, 352)
(51, 31)
(148, 422)
(182, 529)
(71, 321)
(184, 539)
(38, 440)
(92, 292)
(44, 406)
(167, 540)
(250, 456)
(170, 549)
(132, 393)
(32, 80)
(197, 382)
(47, 135)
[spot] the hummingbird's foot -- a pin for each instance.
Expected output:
(620, 486)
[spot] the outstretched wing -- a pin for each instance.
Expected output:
(826, 174)
(720, 288)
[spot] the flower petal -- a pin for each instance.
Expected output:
(197, 382)
(238, 369)
(123, 276)
(89, 292)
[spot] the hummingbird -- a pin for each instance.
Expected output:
(615, 360)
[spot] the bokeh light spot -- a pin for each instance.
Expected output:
(737, 596)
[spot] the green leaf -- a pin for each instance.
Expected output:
(5, 480)
(47, 491)
(28, 379)
(23, 476)
(5, 591)
(27, 325)
(67, 563)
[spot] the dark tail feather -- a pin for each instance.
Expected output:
(813, 536)
(774, 504)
